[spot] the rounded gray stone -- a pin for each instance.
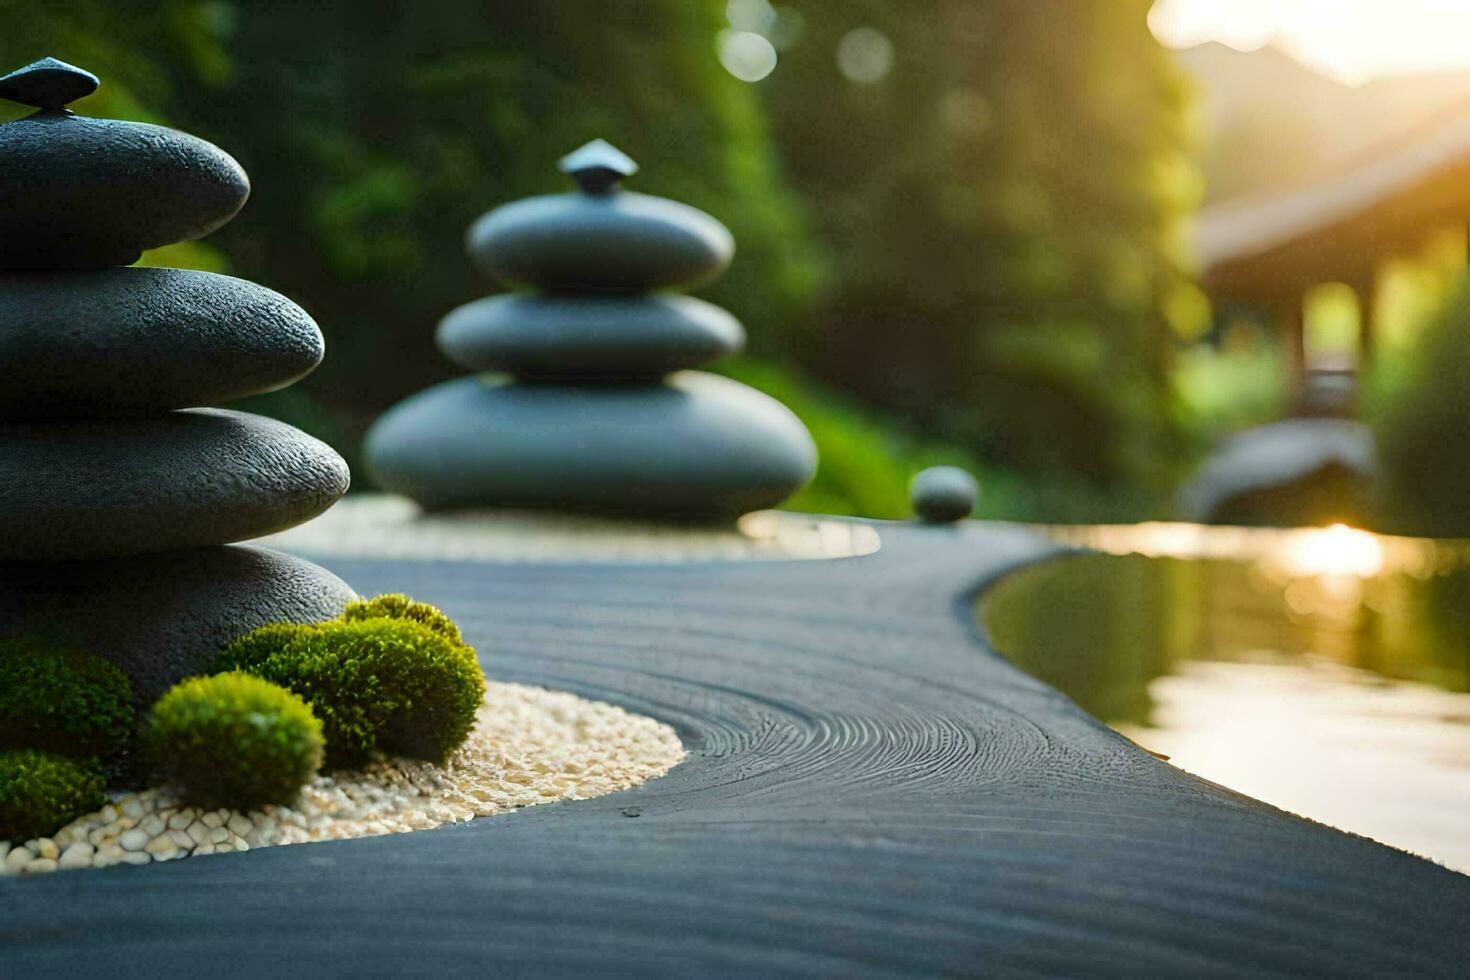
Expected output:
(165, 617)
(77, 192)
(581, 336)
(99, 489)
(615, 241)
(944, 494)
(100, 342)
(696, 446)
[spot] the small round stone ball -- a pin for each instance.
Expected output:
(943, 494)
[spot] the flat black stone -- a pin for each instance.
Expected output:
(602, 337)
(698, 446)
(162, 618)
(99, 489)
(620, 241)
(871, 791)
(47, 84)
(85, 193)
(101, 342)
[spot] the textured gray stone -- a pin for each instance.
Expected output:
(97, 489)
(110, 340)
(79, 192)
(588, 336)
(698, 446)
(615, 241)
(944, 494)
(164, 617)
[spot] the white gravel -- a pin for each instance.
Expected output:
(529, 746)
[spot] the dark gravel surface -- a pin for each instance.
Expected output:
(870, 789)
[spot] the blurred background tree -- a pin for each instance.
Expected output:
(1002, 187)
(958, 222)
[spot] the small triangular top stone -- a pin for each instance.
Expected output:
(597, 166)
(48, 84)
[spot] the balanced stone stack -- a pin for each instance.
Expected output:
(116, 496)
(601, 413)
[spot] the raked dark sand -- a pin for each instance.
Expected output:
(869, 789)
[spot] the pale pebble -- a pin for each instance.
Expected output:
(162, 848)
(76, 856)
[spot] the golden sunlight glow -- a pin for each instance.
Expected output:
(1335, 550)
(1352, 40)
(1298, 553)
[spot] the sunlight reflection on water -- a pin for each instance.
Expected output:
(1323, 670)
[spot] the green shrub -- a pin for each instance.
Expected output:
(234, 740)
(62, 701)
(397, 606)
(393, 685)
(40, 793)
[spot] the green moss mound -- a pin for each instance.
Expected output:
(398, 606)
(259, 645)
(41, 792)
(62, 701)
(234, 740)
(393, 685)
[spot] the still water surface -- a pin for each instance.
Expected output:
(1323, 670)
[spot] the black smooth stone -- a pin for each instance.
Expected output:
(108, 341)
(560, 336)
(100, 489)
(165, 617)
(696, 446)
(616, 241)
(47, 84)
(77, 192)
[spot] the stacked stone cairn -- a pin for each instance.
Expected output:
(600, 412)
(117, 496)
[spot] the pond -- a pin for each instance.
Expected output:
(1323, 670)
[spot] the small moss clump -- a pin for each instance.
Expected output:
(62, 701)
(41, 792)
(389, 684)
(396, 606)
(233, 740)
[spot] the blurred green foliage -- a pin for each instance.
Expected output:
(1418, 409)
(869, 458)
(983, 243)
(1223, 390)
(1004, 211)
